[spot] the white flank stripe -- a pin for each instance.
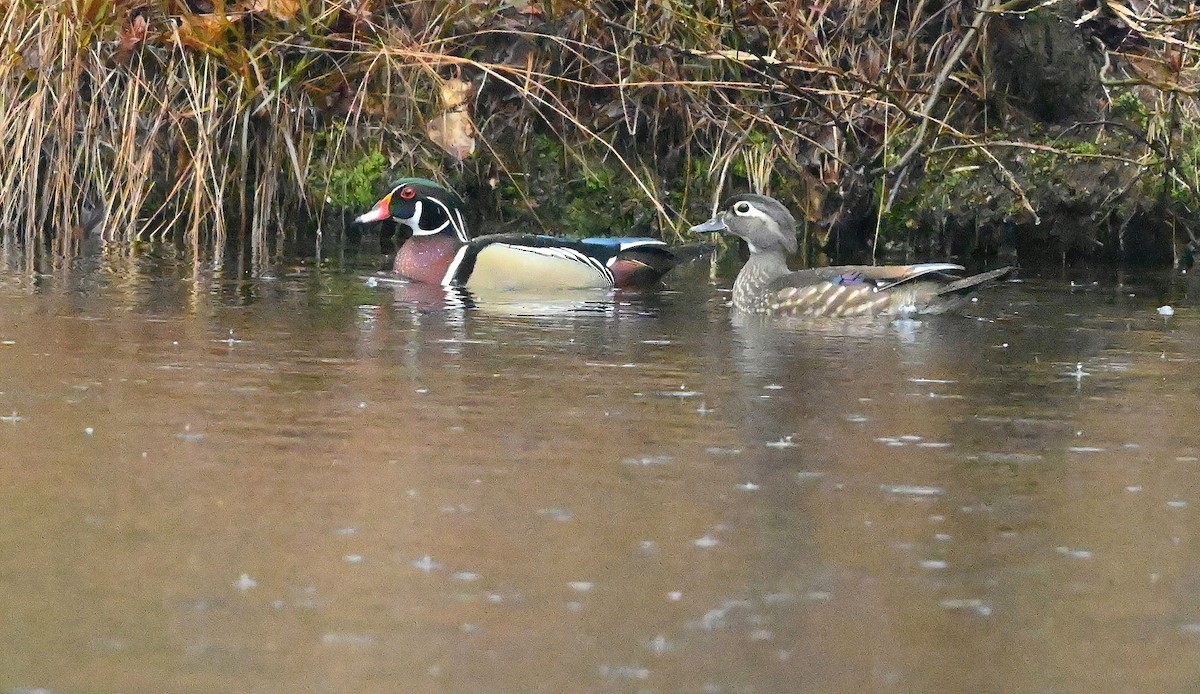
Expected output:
(566, 254)
(448, 280)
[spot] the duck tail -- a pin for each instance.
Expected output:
(968, 284)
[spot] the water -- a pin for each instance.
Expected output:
(305, 484)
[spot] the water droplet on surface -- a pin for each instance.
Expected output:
(785, 442)
(912, 490)
(650, 460)
(659, 645)
(334, 638)
(1074, 553)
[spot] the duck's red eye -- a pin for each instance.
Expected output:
(408, 193)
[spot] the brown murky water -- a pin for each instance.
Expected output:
(305, 484)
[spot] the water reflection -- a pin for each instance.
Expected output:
(305, 483)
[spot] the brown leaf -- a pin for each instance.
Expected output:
(530, 7)
(132, 35)
(283, 10)
(205, 31)
(454, 132)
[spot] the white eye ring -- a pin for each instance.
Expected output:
(742, 207)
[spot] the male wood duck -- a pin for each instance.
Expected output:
(440, 252)
(766, 286)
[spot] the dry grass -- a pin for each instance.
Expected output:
(218, 124)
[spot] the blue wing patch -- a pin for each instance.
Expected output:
(849, 279)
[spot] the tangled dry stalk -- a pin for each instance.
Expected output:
(219, 124)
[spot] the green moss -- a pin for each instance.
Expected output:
(1129, 107)
(354, 185)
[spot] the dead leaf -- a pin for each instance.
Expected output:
(283, 10)
(454, 132)
(453, 129)
(132, 35)
(204, 31)
(455, 92)
(740, 56)
(530, 7)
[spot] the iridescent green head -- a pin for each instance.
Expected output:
(424, 206)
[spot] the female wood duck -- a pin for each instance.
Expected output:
(766, 286)
(440, 252)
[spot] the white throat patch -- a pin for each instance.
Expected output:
(453, 218)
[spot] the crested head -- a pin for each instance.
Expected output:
(424, 206)
(764, 222)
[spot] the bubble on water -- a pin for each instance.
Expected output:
(675, 595)
(1165, 310)
(706, 542)
(469, 628)
(772, 386)
(857, 418)
(1191, 628)
(818, 595)
(465, 576)
(749, 486)
(785, 442)
(353, 558)
(426, 564)
(574, 606)
(244, 583)
(1177, 504)
(1085, 449)
(941, 537)
(88, 431)
(1133, 488)
(581, 586)
(495, 598)
(933, 564)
